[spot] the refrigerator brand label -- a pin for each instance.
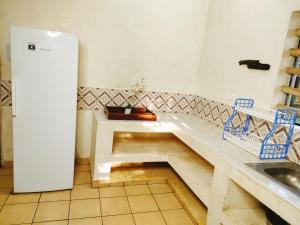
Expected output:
(31, 46)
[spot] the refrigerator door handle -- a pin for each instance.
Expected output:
(14, 94)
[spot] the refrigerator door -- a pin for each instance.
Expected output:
(44, 86)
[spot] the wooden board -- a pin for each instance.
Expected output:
(295, 52)
(292, 70)
(137, 113)
(289, 90)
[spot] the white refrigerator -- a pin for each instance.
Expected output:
(44, 68)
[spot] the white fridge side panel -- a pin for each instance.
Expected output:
(44, 120)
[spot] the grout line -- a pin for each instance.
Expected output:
(130, 208)
(182, 203)
(158, 206)
(98, 188)
(110, 184)
(68, 220)
(5, 201)
(37, 205)
(46, 221)
(173, 209)
(155, 202)
(80, 218)
(133, 218)
(117, 215)
(69, 208)
(125, 196)
(100, 205)
(115, 196)
(120, 214)
(78, 199)
(162, 216)
(19, 203)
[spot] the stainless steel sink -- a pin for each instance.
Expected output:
(284, 173)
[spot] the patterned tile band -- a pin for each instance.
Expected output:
(5, 92)
(97, 98)
(209, 110)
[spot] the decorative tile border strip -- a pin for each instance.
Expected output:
(214, 112)
(97, 98)
(5, 92)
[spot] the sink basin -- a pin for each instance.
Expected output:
(285, 174)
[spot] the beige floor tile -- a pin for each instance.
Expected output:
(135, 182)
(6, 182)
(159, 188)
(114, 206)
(82, 168)
(23, 198)
(118, 176)
(4, 193)
(158, 174)
(55, 196)
(118, 220)
(48, 211)
(149, 218)
(167, 201)
(137, 190)
(142, 203)
(104, 184)
(82, 178)
(177, 217)
(112, 192)
(116, 184)
(157, 180)
(85, 208)
(86, 221)
(61, 222)
(25, 213)
(84, 191)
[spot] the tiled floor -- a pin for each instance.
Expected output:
(142, 204)
(138, 173)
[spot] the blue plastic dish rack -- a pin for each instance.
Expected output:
(261, 146)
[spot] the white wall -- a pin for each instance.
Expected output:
(237, 30)
(120, 42)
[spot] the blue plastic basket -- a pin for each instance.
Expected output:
(240, 130)
(268, 150)
(283, 117)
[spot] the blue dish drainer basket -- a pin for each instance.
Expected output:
(260, 146)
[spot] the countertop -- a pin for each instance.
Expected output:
(210, 136)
